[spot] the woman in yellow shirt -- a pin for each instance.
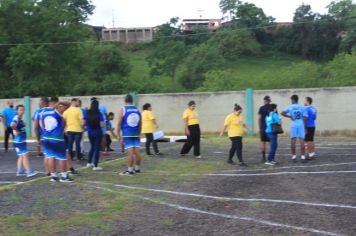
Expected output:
(149, 125)
(192, 130)
(236, 128)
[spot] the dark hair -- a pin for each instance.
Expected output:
(74, 99)
(309, 99)
(272, 107)
(45, 100)
(191, 103)
(111, 114)
(129, 98)
(237, 107)
(294, 98)
(94, 115)
(19, 106)
(267, 98)
(146, 106)
(54, 99)
(80, 102)
(93, 98)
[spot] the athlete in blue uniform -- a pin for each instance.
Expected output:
(54, 146)
(297, 113)
(19, 131)
(128, 133)
(310, 124)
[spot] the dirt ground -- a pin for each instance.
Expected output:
(186, 196)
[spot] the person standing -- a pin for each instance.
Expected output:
(38, 131)
(94, 122)
(7, 116)
(297, 113)
(149, 125)
(262, 113)
(19, 129)
(128, 133)
(236, 128)
(310, 127)
(110, 130)
(73, 117)
(192, 130)
(272, 118)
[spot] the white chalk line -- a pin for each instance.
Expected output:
(279, 173)
(331, 148)
(229, 198)
(235, 217)
(11, 182)
(14, 172)
(290, 167)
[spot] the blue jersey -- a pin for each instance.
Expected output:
(52, 124)
(297, 113)
(9, 114)
(311, 111)
(271, 118)
(36, 119)
(131, 121)
(21, 130)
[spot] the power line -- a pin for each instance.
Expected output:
(168, 36)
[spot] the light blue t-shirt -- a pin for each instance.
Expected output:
(9, 114)
(297, 113)
(271, 118)
(103, 110)
(312, 113)
(20, 126)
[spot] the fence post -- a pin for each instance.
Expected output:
(27, 104)
(133, 94)
(249, 110)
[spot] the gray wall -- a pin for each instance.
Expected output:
(336, 106)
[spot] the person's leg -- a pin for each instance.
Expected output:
(195, 133)
(19, 164)
(293, 142)
(302, 148)
(51, 165)
(155, 146)
(97, 142)
(273, 146)
(187, 145)
(239, 149)
(137, 159)
(108, 142)
(92, 148)
(149, 138)
(8, 131)
(70, 139)
(26, 162)
(130, 159)
(232, 149)
(78, 138)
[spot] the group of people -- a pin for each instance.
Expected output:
(60, 124)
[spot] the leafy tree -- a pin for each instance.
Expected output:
(341, 71)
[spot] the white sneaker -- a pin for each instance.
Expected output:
(98, 168)
(269, 163)
(90, 165)
(302, 157)
(199, 157)
(294, 157)
(311, 155)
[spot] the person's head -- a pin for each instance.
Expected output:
(94, 106)
(10, 104)
(74, 102)
(273, 108)
(44, 102)
(111, 116)
(267, 100)
(128, 99)
(53, 101)
(79, 103)
(62, 106)
(147, 106)
(308, 101)
(294, 99)
(20, 110)
(192, 105)
(237, 109)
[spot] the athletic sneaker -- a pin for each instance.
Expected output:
(31, 173)
(243, 164)
(90, 165)
(294, 158)
(98, 168)
(54, 179)
(274, 162)
(73, 172)
(199, 157)
(65, 180)
(269, 163)
(20, 173)
(127, 173)
(231, 162)
(137, 171)
(158, 154)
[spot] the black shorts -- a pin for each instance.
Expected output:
(309, 136)
(263, 136)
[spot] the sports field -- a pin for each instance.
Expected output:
(186, 196)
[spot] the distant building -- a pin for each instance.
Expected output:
(213, 24)
(128, 35)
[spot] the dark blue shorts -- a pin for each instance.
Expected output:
(55, 149)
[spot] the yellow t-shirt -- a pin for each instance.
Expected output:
(148, 126)
(235, 125)
(192, 116)
(73, 117)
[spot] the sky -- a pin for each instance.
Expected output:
(149, 13)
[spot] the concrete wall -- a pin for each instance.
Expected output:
(337, 110)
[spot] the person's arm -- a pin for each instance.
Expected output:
(119, 123)
(260, 121)
(81, 119)
(186, 129)
(223, 130)
(14, 127)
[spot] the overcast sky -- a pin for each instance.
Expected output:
(147, 13)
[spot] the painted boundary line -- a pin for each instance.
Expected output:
(228, 198)
(279, 173)
(11, 182)
(235, 217)
(291, 167)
